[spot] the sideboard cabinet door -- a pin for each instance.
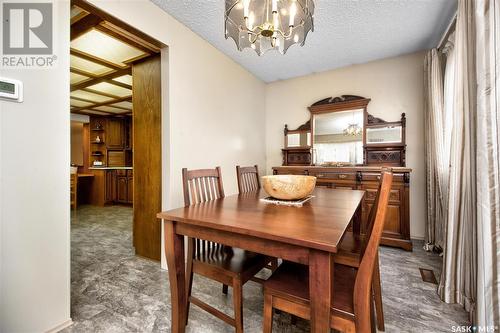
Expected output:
(396, 226)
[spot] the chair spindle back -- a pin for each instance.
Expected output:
(248, 178)
(200, 186)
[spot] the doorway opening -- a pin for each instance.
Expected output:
(115, 97)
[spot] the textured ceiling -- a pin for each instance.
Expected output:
(346, 32)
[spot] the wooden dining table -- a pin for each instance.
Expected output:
(309, 235)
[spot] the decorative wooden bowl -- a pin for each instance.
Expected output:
(288, 187)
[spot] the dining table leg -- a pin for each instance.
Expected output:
(320, 289)
(356, 220)
(174, 250)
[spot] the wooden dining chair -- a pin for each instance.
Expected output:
(352, 301)
(248, 181)
(349, 254)
(248, 178)
(229, 266)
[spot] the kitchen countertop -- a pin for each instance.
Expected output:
(112, 168)
(85, 175)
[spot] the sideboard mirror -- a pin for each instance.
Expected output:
(338, 130)
(338, 137)
(385, 141)
(385, 134)
(381, 132)
(298, 138)
(341, 132)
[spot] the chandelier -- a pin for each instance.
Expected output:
(352, 130)
(265, 25)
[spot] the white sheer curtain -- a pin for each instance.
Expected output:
(458, 278)
(436, 152)
(487, 17)
(449, 106)
(469, 190)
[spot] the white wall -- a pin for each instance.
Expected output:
(34, 194)
(394, 85)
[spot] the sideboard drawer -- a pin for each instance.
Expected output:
(375, 177)
(371, 194)
(334, 175)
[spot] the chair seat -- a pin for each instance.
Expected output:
(292, 279)
(233, 260)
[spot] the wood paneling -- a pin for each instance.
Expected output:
(147, 156)
(84, 25)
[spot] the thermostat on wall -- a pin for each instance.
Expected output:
(11, 90)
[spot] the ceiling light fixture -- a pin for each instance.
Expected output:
(352, 130)
(265, 25)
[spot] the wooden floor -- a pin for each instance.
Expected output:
(114, 291)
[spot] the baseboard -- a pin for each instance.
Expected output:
(417, 238)
(61, 326)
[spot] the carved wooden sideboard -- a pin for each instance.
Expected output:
(343, 123)
(397, 223)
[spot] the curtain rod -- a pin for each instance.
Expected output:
(447, 32)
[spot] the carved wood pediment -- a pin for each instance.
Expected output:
(340, 103)
(333, 100)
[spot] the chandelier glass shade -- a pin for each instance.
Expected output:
(265, 25)
(352, 130)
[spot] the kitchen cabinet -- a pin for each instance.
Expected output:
(116, 158)
(110, 186)
(115, 133)
(110, 141)
(130, 187)
(121, 189)
(124, 186)
(118, 186)
(128, 133)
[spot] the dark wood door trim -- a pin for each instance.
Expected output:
(147, 156)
